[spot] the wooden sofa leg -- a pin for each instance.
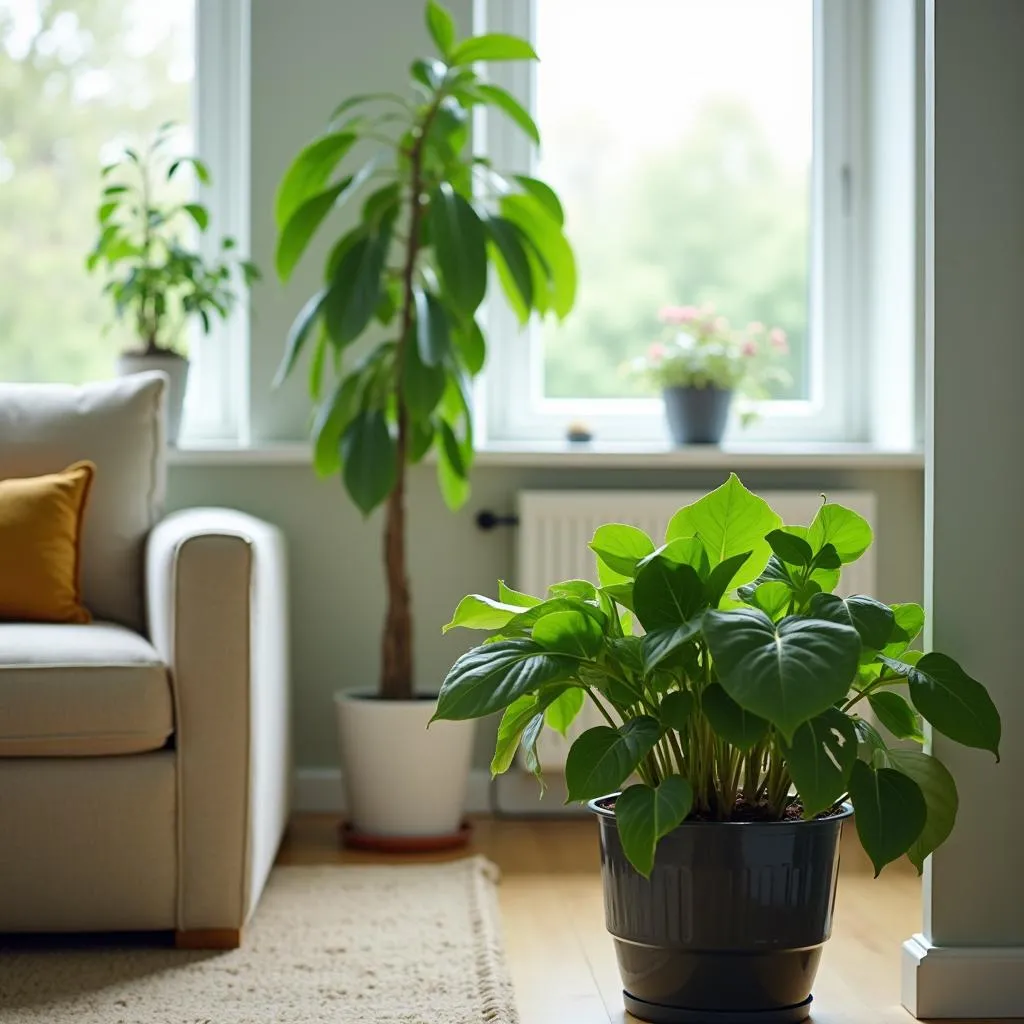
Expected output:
(208, 938)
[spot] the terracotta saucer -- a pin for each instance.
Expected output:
(404, 844)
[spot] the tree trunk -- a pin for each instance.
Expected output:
(396, 643)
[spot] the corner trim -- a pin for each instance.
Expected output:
(962, 981)
(320, 791)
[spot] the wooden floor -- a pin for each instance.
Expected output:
(561, 958)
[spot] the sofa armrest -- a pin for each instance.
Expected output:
(217, 610)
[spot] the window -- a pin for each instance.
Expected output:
(704, 152)
(79, 79)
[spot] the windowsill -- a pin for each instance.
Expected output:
(563, 455)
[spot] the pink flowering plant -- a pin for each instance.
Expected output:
(700, 348)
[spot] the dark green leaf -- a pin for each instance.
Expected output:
(298, 334)
(821, 758)
(729, 721)
(452, 468)
(382, 206)
(431, 329)
(493, 46)
(369, 465)
(429, 73)
(202, 171)
(332, 417)
(788, 672)
(940, 797)
(872, 619)
(827, 558)
(602, 758)
(441, 27)
(514, 720)
(790, 549)
(955, 704)
(354, 293)
(721, 579)
(848, 532)
(666, 594)
(896, 715)
(891, 812)
(309, 171)
(660, 644)
(366, 97)
(470, 344)
(495, 96)
(676, 709)
(643, 815)
(422, 385)
(460, 247)
(621, 547)
(510, 256)
(489, 678)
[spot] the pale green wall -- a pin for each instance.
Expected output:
(337, 592)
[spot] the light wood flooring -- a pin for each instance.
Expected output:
(562, 961)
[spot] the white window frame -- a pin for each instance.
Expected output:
(217, 401)
(514, 407)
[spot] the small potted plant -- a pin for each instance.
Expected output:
(701, 362)
(738, 712)
(156, 278)
(406, 281)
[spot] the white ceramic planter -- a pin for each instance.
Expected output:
(176, 369)
(401, 778)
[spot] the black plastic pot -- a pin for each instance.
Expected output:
(729, 927)
(697, 415)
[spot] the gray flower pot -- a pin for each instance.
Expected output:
(730, 926)
(697, 415)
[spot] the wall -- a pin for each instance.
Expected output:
(337, 590)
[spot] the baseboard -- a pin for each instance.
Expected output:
(319, 790)
(962, 981)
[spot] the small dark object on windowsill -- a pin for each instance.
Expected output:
(578, 433)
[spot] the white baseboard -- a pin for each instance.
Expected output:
(319, 790)
(962, 981)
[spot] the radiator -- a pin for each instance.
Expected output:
(556, 526)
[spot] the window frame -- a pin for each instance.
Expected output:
(836, 407)
(217, 399)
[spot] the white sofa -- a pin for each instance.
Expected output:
(144, 758)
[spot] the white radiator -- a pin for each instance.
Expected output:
(556, 526)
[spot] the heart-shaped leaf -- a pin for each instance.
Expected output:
(729, 721)
(620, 547)
(788, 672)
(821, 758)
(872, 619)
(789, 548)
(666, 594)
(891, 812)
(602, 758)
(663, 643)
(940, 797)
(569, 632)
(848, 532)
(643, 815)
(676, 709)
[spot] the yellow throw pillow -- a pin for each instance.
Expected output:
(40, 545)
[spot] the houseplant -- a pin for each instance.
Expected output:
(156, 279)
(739, 711)
(702, 361)
(406, 280)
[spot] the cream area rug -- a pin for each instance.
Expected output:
(344, 945)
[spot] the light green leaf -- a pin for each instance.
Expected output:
(602, 758)
(544, 194)
(821, 758)
(872, 619)
(475, 611)
(729, 721)
(908, 621)
(569, 632)
(302, 225)
(495, 96)
(940, 797)
(788, 672)
(470, 344)
(955, 704)
(896, 715)
(199, 214)
(722, 577)
(891, 812)
(441, 27)
(298, 334)
(848, 532)
(562, 711)
(644, 815)
(682, 551)
(452, 467)
(368, 455)
(516, 597)
(730, 520)
(459, 243)
(493, 46)
(309, 171)
(772, 598)
(621, 547)
(332, 417)
(489, 678)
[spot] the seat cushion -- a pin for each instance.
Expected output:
(40, 532)
(118, 426)
(80, 691)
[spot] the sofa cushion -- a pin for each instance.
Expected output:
(118, 426)
(80, 691)
(40, 533)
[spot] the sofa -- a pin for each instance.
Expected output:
(144, 756)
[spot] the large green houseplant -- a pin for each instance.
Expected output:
(738, 709)
(157, 279)
(394, 319)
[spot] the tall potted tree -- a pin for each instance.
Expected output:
(739, 713)
(406, 281)
(156, 279)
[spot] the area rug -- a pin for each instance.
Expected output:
(345, 945)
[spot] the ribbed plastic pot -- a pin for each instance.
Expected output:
(730, 926)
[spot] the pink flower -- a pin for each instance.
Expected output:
(755, 327)
(677, 315)
(655, 352)
(777, 340)
(749, 348)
